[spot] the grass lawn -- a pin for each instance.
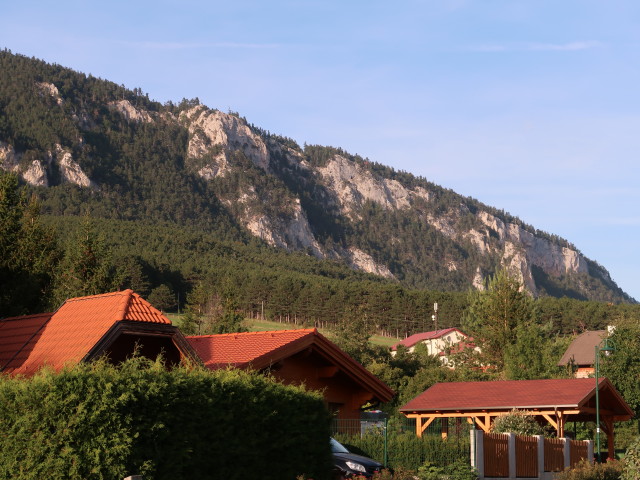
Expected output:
(266, 325)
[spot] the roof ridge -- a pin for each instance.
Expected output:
(23, 317)
(121, 313)
(91, 297)
(259, 332)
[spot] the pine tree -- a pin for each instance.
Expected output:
(494, 315)
(28, 252)
(86, 268)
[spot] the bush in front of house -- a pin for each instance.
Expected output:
(97, 421)
(611, 470)
(520, 422)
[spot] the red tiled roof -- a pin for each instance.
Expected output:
(72, 331)
(421, 337)
(16, 332)
(259, 350)
(507, 394)
(241, 349)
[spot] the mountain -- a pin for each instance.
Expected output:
(84, 143)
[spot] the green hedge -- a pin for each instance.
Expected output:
(97, 421)
(406, 450)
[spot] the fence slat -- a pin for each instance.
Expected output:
(496, 455)
(553, 454)
(526, 456)
(578, 450)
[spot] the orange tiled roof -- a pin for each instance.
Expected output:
(506, 394)
(242, 349)
(16, 332)
(261, 349)
(73, 330)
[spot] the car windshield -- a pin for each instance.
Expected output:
(337, 447)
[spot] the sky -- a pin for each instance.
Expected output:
(530, 106)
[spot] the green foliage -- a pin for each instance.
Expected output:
(494, 315)
(208, 313)
(519, 422)
(458, 470)
(622, 367)
(352, 336)
(86, 268)
(28, 251)
(408, 451)
(631, 469)
(162, 297)
(142, 172)
(611, 470)
(97, 421)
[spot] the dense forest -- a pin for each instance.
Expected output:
(89, 146)
(161, 225)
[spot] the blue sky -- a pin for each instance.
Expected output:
(531, 106)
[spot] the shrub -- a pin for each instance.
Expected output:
(97, 421)
(406, 450)
(632, 461)
(519, 422)
(586, 470)
(458, 470)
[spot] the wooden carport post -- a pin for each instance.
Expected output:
(421, 427)
(608, 429)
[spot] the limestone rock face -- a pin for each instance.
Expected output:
(9, 159)
(131, 113)
(51, 90)
(69, 169)
(217, 134)
(36, 172)
(293, 186)
(363, 261)
(352, 185)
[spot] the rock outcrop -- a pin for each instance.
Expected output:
(293, 189)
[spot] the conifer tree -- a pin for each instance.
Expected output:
(86, 268)
(494, 315)
(28, 252)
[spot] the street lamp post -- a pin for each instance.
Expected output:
(607, 348)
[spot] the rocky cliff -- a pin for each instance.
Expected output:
(317, 199)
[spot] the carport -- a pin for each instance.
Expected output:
(552, 401)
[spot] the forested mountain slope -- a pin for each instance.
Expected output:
(87, 144)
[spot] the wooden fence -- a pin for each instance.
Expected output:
(496, 454)
(506, 455)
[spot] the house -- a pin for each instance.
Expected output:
(438, 343)
(580, 355)
(85, 328)
(298, 357)
(554, 401)
(115, 325)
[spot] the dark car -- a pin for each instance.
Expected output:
(347, 464)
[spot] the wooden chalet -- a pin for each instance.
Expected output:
(115, 325)
(554, 401)
(298, 357)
